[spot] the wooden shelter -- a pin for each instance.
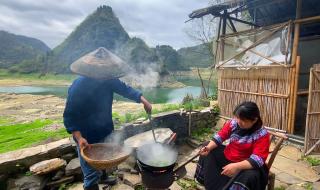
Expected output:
(273, 63)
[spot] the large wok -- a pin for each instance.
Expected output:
(156, 162)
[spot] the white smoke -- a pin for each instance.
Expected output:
(149, 78)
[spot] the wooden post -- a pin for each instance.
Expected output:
(306, 137)
(224, 27)
(295, 91)
(293, 62)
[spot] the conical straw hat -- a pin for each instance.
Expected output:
(100, 64)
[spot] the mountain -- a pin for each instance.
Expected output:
(195, 56)
(103, 29)
(16, 48)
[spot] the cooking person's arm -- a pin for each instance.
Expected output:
(81, 141)
(126, 91)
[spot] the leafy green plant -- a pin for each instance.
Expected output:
(312, 160)
(28, 173)
(202, 133)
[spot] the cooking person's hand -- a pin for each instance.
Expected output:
(83, 143)
(230, 169)
(146, 104)
(204, 151)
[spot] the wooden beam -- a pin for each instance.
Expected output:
(232, 25)
(307, 20)
(224, 27)
(256, 93)
(242, 21)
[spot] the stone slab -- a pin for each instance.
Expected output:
(161, 134)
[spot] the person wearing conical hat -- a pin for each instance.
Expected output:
(88, 112)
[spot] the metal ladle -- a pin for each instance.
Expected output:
(152, 129)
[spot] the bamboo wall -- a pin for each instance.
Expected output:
(268, 87)
(313, 113)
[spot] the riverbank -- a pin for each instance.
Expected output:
(15, 79)
(22, 108)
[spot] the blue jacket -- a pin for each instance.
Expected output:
(89, 106)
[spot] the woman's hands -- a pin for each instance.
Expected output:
(204, 151)
(230, 169)
(233, 168)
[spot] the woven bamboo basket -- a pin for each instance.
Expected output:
(103, 156)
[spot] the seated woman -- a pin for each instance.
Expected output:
(246, 153)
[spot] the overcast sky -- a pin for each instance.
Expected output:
(155, 21)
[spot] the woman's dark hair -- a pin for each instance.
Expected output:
(248, 111)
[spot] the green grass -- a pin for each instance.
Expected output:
(4, 74)
(280, 188)
(16, 136)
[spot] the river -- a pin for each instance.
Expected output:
(155, 95)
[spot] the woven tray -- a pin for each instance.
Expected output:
(104, 155)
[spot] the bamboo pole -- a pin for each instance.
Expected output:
(258, 94)
(295, 90)
(294, 60)
(306, 138)
(306, 20)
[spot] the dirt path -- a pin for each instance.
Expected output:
(25, 107)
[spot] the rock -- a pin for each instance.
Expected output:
(175, 186)
(140, 120)
(58, 175)
(294, 168)
(122, 187)
(32, 182)
(288, 179)
(131, 179)
(68, 157)
(29, 156)
(3, 177)
(191, 169)
(79, 186)
(280, 184)
(296, 187)
(73, 167)
(124, 167)
(316, 186)
(59, 182)
(133, 171)
(47, 166)
(162, 135)
(193, 142)
(316, 169)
